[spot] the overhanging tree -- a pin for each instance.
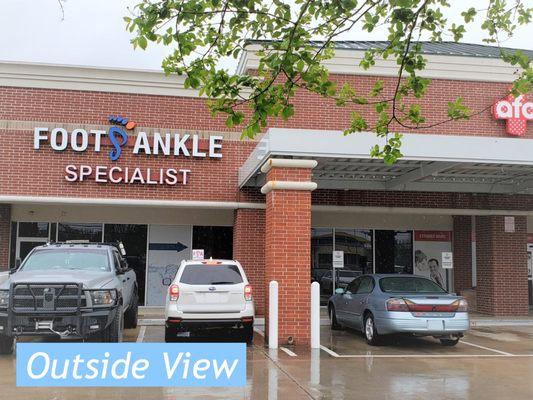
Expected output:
(296, 37)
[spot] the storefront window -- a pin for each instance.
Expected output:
(357, 247)
(33, 229)
(134, 238)
(394, 252)
(216, 241)
(321, 252)
(79, 231)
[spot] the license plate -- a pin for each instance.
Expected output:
(43, 325)
(435, 324)
(183, 334)
(212, 298)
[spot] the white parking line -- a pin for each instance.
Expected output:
(329, 351)
(140, 337)
(486, 348)
(259, 331)
(289, 352)
(151, 321)
(336, 355)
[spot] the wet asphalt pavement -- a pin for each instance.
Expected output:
(490, 363)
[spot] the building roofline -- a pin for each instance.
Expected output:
(91, 78)
(444, 48)
(439, 66)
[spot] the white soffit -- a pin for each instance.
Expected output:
(430, 162)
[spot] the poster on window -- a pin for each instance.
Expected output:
(168, 246)
(429, 246)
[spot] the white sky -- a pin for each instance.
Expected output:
(93, 33)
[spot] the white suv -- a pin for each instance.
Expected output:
(209, 297)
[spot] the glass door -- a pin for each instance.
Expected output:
(30, 235)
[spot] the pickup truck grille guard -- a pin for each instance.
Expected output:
(54, 308)
(46, 298)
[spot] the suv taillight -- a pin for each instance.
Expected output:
(173, 292)
(248, 293)
(397, 305)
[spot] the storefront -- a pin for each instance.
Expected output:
(153, 251)
(105, 155)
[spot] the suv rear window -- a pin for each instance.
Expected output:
(409, 285)
(211, 275)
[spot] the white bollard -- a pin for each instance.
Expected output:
(273, 315)
(315, 315)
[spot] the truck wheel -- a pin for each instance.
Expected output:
(6, 344)
(113, 333)
(131, 315)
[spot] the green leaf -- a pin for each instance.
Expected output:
(142, 42)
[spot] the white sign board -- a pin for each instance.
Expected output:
(447, 260)
(509, 225)
(338, 259)
(197, 254)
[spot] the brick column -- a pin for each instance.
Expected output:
(249, 250)
(5, 227)
(462, 252)
(288, 244)
(501, 266)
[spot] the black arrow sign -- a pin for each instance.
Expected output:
(178, 246)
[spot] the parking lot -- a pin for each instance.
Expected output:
(490, 363)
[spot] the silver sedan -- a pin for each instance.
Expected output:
(382, 304)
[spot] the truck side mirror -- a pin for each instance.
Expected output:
(14, 268)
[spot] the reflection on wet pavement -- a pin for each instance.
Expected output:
(274, 375)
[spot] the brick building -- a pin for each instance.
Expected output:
(172, 178)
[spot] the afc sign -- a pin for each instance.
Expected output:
(516, 111)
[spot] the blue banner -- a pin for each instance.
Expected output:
(131, 364)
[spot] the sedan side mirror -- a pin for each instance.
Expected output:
(340, 291)
(166, 282)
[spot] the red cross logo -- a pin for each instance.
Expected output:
(516, 111)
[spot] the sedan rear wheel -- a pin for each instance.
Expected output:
(449, 342)
(370, 331)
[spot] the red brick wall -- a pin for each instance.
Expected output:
(42, 172)
(480, 201)
(311, 111)
(5, 228)
(501, 266)
(249, 250)
(462, 252)
(288, 254)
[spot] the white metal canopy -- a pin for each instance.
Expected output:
(437, 163)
